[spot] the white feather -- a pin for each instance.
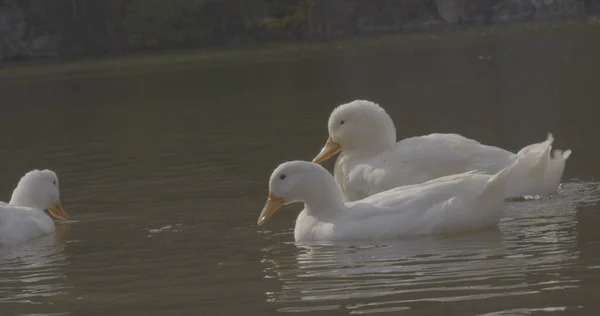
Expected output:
(371, 160)
(455, 203)
(24, 217)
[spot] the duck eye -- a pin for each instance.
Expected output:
(54, 182)
(342, 122)
(282, 176)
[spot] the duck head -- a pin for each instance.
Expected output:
(300, 181)
(38, 189)
(361, 126)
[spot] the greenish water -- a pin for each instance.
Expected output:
(164, 168)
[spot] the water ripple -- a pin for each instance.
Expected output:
(531, 253)
(33, 272)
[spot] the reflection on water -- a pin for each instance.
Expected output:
(33, 273)
(528, 257)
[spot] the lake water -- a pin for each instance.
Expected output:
(164, 170)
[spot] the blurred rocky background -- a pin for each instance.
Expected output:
(32, 29)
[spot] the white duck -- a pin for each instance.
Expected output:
(456, 203)
(371, 161)
(23, 217)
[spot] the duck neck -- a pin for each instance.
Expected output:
(324, 198)
(374, 143)
(21, 196)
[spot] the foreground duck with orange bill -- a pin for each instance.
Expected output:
(23, 217)
(451, 204)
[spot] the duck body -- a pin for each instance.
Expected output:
(423, 158)
(371, 161)
(415, 160)
(18, 224)
(452, 204)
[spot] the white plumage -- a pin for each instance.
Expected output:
(23, 217)
(455, 203)
(371, 160)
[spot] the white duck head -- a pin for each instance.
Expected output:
(301, 181)
(38, 189)
(360, 126)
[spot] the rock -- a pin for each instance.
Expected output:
(452, 11)
(40, 28)
(490, 11)
(46, 45)
(13, 28)
(18, 39)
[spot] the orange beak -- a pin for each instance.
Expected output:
(271, 207)
(58, 211)
(329, 150)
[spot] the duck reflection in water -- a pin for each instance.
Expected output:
(32, 273)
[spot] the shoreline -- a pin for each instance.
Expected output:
(263, 52)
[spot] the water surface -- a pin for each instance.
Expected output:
(164, 171)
